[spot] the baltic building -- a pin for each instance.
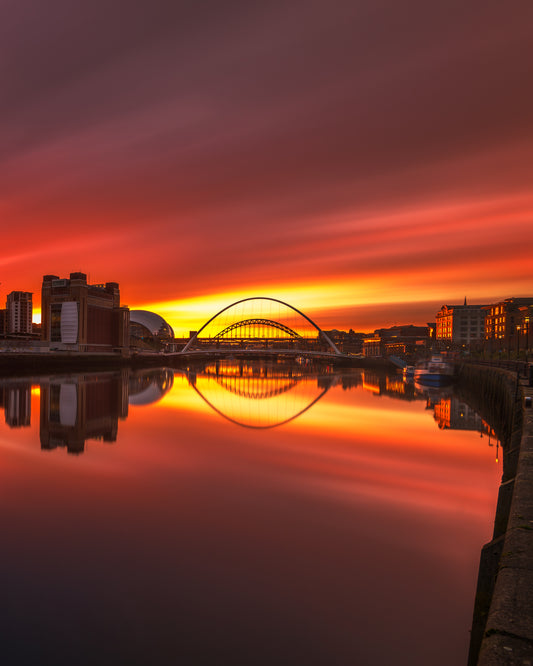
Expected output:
(79, 316)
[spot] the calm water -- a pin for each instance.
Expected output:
(240, 514)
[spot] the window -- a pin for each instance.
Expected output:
(55, 322)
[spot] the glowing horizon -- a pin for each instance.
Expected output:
(487, 226)
(311, 174)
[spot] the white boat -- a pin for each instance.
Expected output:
(435, 372)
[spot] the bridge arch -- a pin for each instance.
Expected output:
(260, 323)
(320, 332)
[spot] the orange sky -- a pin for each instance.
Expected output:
(364, 162)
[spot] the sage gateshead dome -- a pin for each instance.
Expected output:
(149, 328)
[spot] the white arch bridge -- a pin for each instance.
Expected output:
(261, 323)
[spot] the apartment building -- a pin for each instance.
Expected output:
(19, 313)
(460, 324)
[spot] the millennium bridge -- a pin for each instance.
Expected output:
(261, 324)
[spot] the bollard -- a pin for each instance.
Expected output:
(527, 401)
(531, 374)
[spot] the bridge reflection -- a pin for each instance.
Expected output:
(260, 393)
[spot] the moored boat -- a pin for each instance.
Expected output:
(435, 372)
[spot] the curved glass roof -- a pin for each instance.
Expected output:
(152, 321)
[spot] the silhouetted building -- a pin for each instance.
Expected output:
(81, 316)
(19, 315)
(347, 342)
(3, 322)
(404, 341)
(460, 324)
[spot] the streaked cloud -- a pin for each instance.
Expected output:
(347, 158)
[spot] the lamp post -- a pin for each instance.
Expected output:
(528, 327)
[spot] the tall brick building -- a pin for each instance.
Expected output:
(19, 312)
(79, 316)
(504, 318)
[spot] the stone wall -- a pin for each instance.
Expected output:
(502, 627)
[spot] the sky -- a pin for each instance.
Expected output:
(365, 161)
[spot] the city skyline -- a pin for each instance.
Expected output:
(364, 163)
(446, 309)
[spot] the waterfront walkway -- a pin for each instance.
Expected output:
(505, 625)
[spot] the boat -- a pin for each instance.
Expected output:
(437, 371)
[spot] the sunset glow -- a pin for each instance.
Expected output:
(209, 451)
(351, 467)
(364, 167)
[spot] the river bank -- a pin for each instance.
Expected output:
(502, 627)
(21, 363)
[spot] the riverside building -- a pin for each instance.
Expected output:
(19, 313)
(504, 318)
(79, 316)
(405, 341)
(460, 324)
(148, 330)
(508, 326)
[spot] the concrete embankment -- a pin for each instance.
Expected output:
(502, 627)
(33, 363)
(16, 364)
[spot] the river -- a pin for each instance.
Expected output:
(241, 513)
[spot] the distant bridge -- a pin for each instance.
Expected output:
(254, 329)
(261, 322)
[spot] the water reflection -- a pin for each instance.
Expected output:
(359, 514)
(391, 385)
(258, 394)
(82, 407)
(149, 386)
(15, 400)
(75, 408)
